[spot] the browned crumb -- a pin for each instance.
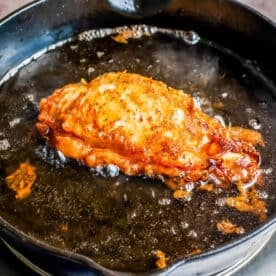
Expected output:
(258, 205)
(123, 37)
(181, 194)
(227, 227)
(22, 180)
(248, 201)
(195, 252)
(161, 259)
(171, 184)
(206, 187)
(83, 81)
(260, 180)
(64, 227)
(218, 105)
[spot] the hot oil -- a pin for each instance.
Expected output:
(121, 221)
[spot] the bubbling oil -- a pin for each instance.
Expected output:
(117, 220)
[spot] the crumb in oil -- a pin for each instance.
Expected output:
(161, 259)
(22, 180)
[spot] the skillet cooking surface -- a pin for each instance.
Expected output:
(120, 221)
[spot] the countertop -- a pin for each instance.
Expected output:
(264, 263)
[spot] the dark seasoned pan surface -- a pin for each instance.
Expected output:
(120, 221)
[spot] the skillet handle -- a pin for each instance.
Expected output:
(138, 8)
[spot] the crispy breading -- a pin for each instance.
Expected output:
(145, 127)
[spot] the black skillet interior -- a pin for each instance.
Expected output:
(121, 221)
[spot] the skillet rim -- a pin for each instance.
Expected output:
(34, 3)
(6, 227)
(17, 234)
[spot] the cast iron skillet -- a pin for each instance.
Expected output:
(233, 63)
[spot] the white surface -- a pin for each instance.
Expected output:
(264, 264)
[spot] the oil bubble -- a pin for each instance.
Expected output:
(268, 171)
(249, 110)
(74, 47)
(4, 144)
(191, 37)
(262, 104)
(192, 234)
(255, 124)
(224, 95)
(184, 224)
(173, 230)
(108, 171)
(51, 156)
(100, 54)
(262, 194)
(220, 202)
(14, 122)
(164, 201)
(90, 70)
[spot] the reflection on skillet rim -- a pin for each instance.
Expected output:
(7, 228)
(24, 237)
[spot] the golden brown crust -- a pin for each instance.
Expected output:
(145, 127)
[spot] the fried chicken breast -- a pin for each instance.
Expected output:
(145, 127)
